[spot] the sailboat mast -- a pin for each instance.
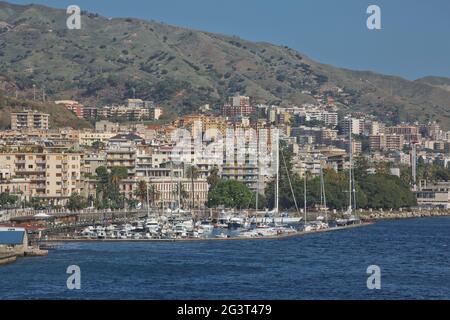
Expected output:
(257, 166)
(148, 202)
(323, 197)
(304, 197)
(278, 170)
(350, 205)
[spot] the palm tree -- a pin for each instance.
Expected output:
(153, 193)
(192, 172)
(213, 177)
(183, 193)
(141, 191)
(118, 174)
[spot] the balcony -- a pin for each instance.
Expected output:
(38, 178)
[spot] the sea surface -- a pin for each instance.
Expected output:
(413, 256)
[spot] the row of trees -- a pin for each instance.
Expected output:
(380, 190)
(7, 199)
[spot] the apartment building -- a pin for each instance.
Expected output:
(87, 138)
(107, 126)
(386, 142)
(238, 106)
(29, 119)
(16, 186)
(121, 152)
(52, 176)
(409, 133)
(327, 117)
(124, 112)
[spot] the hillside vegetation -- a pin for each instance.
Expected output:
(181, 69)
(59, 115)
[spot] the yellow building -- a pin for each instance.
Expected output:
(52, 176)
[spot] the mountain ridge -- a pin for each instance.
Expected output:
(181, 69)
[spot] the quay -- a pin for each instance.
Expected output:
(14, 243)
(6, 258)
(52, 241)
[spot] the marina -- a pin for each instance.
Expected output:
(264, 233)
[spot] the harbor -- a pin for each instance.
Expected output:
(325, 265)
(187, 230)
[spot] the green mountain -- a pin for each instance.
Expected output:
(181, 69)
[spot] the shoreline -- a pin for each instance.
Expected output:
(278, 237)
(7, 259)
(395, 215)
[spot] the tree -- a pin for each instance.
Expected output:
(97, 145)
(141, 191)
(76, 202)
(108, 187)
(7, 199)
(183, 193)
(153, 194)
(231, 194)
(213, 177)
(192, 172)
(118, 174)
(387, 191)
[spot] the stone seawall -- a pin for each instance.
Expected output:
(7, 258)
(378, 215)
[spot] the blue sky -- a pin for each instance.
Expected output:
(414, 40)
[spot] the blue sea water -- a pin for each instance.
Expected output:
(413, 256)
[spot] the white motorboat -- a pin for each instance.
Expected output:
(221, 235)
(267, 232)
(249, 234)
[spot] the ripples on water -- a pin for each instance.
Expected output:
(412, 254)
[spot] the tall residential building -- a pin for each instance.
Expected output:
(121, 152)
(355, 125)
(29, 119)
(51, 175)
(238, 106)
(386, 142)
(410, 133)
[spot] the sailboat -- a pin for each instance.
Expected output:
(275, 210)
(323, 199)
(352, 219)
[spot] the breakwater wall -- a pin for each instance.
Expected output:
(404, 214)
